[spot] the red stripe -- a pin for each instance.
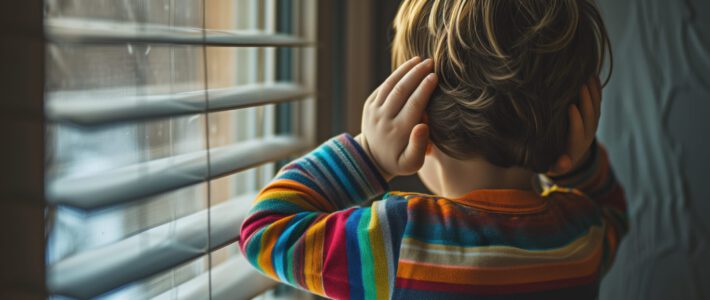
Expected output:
(335, 260)
(256, 222)
(494, 289)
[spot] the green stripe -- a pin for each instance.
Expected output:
(289, 265)
(368, 271)
(253, 249)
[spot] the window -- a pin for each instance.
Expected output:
(165, 117)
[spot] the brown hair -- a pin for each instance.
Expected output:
(508, 71)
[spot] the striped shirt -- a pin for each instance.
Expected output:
(315, 228)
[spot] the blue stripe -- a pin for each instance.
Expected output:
(344, 173)
(332, 193)
(298, 225)
(337, 174)
(491, 235)
(298, 176)
(353, 252)
(362, 180)
(433, 227)
(396, 209)
(361, 152)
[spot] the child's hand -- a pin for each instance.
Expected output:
(392, 133)
(582, 128)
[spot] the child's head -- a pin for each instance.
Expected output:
(508, 71)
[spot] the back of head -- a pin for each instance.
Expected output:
(508, 71)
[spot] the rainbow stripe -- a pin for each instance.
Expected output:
(310, 228)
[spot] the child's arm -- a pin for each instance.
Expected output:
(300, 230)
(595, 178)
(591, 172)
(303, 230)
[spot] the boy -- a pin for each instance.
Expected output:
(501, 96)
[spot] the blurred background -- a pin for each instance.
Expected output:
(137, 131)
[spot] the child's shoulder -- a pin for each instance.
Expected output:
(503, 202)
(408, 195)
(417, 201)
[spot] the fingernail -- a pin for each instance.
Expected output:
(432, 77)
(425, 62)
(428, 62)
(416, 58)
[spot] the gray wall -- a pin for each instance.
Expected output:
(656, 126)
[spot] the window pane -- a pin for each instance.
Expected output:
(77, 73)
(163, 283)
(133, 71)
(166, 12)
(238, 15)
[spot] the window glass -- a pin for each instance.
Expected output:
(138, 72)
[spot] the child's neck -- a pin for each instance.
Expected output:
(459, 177)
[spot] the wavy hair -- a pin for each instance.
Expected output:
(508, 71)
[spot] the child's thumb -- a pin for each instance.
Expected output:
(413, 156)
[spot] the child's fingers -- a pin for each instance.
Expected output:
(413, 109)
(595, 89)
(412, 158)
(576, 135)
(588, 114)
(372, 97)
(575, 143)
(597, 96)
(404, 88)
(394, 78)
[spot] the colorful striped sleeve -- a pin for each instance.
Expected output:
(305, 230)
(596, 179)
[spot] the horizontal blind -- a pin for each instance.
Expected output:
(80, 107)
(82, 31)
(164, 119)
(144, 179)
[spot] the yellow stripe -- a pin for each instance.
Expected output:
(377, 248)
(313, 264)
(500, 256)
(547, 190)
(309, 241)
(314, 198)
(286, 196)
(500, 276)
(268, 241)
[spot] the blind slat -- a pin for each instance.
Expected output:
(96, 107)
(165, 174)
(232, 279)
(94, 272)
(66, 30)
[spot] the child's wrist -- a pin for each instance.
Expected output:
(360, 139)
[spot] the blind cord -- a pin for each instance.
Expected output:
(207, 146)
